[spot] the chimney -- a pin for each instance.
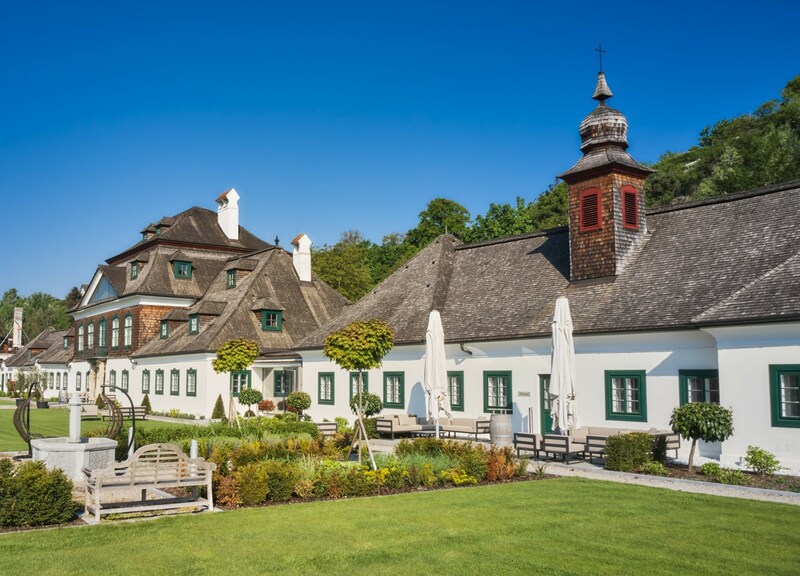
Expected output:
(228, 213)
(16, 334)
(301, 257)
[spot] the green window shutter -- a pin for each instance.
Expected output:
(698, 386)
(394, 389)
(626, 395)
(497, 392)
(354, 383)
(784, 385)
(455, 384)
(325, 388)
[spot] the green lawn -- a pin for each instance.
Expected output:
(565, 526)
(50, 422)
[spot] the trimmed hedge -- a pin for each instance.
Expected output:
(627, 452)
(32, 495)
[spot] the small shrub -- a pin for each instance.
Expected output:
(266, 406)
(474, 465)
(227, 492)
(500, 463)
(539, 470)
(298, 402)
(342, 425)
(760, 461)
(654, 468)
(626, 452)
(252, 484)
(702, 421)
(710, 469)
(218, 413)
(734, 477)
(32, 495)
(281, 479)
(146, 403)
(458, 477)
(100, 403)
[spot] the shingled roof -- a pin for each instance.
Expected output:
(228, 313)
(34, 349)
(734, 259)
(195, 227)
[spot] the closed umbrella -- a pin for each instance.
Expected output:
(435, 369)
(564, 410)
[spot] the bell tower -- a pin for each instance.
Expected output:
(606, 204)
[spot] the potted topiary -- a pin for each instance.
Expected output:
(248, 397)
(297, 402)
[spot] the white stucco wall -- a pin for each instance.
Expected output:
(745, 355)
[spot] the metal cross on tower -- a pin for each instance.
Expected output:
(600, 53)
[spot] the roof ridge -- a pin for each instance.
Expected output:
(741, 195)
(771, 272)
(504, 239)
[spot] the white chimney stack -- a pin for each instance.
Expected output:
(301, 257)
(16, 334)
(228, 213)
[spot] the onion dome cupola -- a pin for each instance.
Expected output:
(606, 207)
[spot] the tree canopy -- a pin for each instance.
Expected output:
(360, 345)
(39, 311)
(235, 355)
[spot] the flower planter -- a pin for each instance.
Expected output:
(42, 404)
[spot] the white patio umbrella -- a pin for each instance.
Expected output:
(435, 370)
(563, 410)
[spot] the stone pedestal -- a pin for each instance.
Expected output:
(72, 457)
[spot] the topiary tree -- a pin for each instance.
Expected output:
(370, 404)
(298, 401)
(702, 421)
(146, 403)
(218, 413)
(99, 402)
(248, 397)
(360, 346)
(233, 356)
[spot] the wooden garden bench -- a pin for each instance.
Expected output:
(127, 412)
(326, 428)
(152, 467)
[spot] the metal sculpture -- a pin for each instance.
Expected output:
(116, 412)
(22, 419)
(115, 422)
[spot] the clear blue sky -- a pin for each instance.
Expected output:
(330, 116)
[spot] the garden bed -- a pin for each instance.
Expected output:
(769, 482)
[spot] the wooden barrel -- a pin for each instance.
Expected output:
(500, 429)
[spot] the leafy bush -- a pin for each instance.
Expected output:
(298, 401)
(710, 469)
(370, 404)
(730, 476)
(100, 403)
(342, 425)
(500, 464)
(760, 461)
(654, 468)
(701, 421)
(266, 406)
(252, 484)
(146, 403)
(625, 452)
(32, 495)
(218, 413)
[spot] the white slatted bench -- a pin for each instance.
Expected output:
(152, 467)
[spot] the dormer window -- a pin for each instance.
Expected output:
(194, 324)
(134, 270)
(66, 342)
(182, 269)
(164, 329)
(272, 320)
(590, 218)
(630, 207)
(231, 279)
